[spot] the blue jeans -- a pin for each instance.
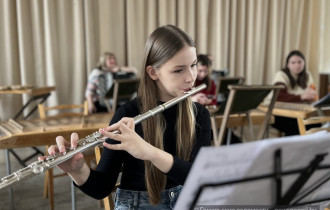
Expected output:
(128, 199)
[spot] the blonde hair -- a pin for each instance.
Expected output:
(102, 64)
(161, 46)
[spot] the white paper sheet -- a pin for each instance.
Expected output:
(226, 163)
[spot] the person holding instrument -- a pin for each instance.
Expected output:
(207, 96)
(156, 155)
(299, 87)
(101, 79)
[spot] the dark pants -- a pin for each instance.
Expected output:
(289, 126)
(99, 107)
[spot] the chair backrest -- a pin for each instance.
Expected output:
(122, 89)
(320, 123)
(242, 99)
(63, 110)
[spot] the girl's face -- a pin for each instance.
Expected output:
(202, 72)
(177, 75)
(296, 65)
(111, 62)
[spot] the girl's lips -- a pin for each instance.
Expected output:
(186, 90)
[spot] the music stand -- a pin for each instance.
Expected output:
(323, 102)
(283, 171)
(222, 84)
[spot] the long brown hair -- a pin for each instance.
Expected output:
(302, 77)
(160, 47)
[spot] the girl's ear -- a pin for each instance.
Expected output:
(152, 72)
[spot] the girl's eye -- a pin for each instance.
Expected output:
(194, 65)
(178, 71)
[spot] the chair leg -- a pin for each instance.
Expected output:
(51, 189)
(46, 184)
(108, 203)
(250, 124)
(112, 205)
(214, 128)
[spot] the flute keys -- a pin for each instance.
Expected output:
(38, 169)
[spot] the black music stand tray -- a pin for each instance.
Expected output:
(322, 102)
(287, 171)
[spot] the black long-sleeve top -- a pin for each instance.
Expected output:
(102, 180)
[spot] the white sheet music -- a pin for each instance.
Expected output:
(223, 164)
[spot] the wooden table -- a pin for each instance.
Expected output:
(292, 110)
(237, 120)
(297, 111)
(33, 91)
(35, 94)
(27, 133)
(256, 117)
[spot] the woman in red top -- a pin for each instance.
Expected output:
(207, 96)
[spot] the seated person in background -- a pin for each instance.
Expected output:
(298, 88)
(207, 96)
(101, 79)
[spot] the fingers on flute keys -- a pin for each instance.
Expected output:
(74, 140)
(62, 144)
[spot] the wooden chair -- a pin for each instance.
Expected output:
(66, 110)
(121, 89)
(108, 201)
(320, 122)
(317, 120)
(242, 99)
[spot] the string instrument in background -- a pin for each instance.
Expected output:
(301, 110)
(90, 141)
(39, 132)
(294, 106)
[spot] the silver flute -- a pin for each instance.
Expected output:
(93, 140)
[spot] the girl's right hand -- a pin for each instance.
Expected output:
(75, 163)
(309, 95)
(199, 98)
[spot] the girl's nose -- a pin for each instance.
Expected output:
(191, 75)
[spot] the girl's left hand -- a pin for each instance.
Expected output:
(129, 140)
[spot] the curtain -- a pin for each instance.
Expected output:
(57, 43)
